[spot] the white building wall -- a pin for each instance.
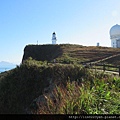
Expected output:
(118, 43)
(113, 43)
(53, 41)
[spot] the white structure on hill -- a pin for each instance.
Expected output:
(115, 36)
(54, 38)
(98, 44)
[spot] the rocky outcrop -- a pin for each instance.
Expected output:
(36, 105)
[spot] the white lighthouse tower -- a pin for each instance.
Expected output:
(54, 38)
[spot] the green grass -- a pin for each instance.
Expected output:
(102, 96)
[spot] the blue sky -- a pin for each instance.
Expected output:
(83, 22)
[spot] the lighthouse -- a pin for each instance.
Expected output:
(54, 38)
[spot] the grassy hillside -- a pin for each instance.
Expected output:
(68, 53)
(20, 86)
(38, 85)
(72, 88)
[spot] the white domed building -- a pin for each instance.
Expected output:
(115, 36)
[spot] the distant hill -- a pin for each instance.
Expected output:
(6, 64)
(70, 53)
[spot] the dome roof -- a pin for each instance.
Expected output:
(115, 30)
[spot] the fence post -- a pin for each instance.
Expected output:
(104, 67)
(119, 70)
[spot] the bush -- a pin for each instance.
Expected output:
(19, 87)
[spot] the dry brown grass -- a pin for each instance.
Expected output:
(68, 53)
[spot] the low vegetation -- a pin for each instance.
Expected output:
(101, 96)
(79, 90)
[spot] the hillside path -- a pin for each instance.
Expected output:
(104, 59)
